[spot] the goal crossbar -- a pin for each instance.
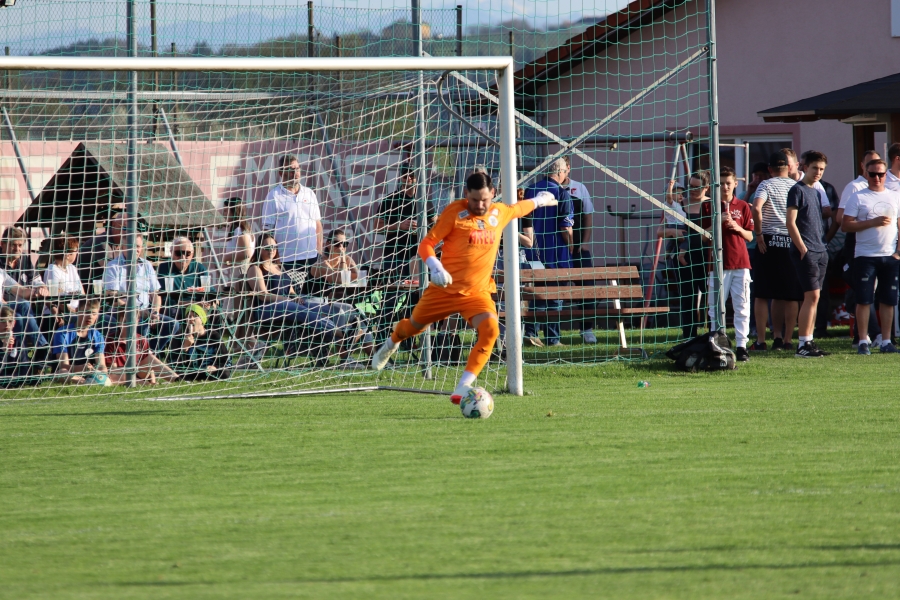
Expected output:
(69, 63)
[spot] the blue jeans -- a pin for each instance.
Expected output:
(295, 316)
(551, 329)
(27, 324)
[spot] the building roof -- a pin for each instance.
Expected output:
(590, 43)
(876, 96)
(92, 180)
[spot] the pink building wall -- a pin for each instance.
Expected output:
(770, 53)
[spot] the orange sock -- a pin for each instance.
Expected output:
(404, 330)
(488, 332)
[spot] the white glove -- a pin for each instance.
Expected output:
(545, 199)
(439, 275)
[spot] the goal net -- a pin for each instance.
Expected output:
(238, 226)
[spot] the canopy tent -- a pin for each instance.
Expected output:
(91, 184)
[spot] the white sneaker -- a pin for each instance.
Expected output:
(877, 342)
(589, 337)
(459, 393)
(383, 355)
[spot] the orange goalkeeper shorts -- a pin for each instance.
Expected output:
(436, 304)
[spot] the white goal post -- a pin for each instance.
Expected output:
(503, 66)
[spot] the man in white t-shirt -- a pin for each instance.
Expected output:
(872, 214)
(291, 214)
(846, 256)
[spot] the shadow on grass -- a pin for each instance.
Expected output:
(566, 573)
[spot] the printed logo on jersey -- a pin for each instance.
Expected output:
(463, 215)
(480, 224)
(495, 212)
(493, 221)
(482, 238)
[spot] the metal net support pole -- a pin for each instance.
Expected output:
(131, 206)
(421, 177)
(718, 273)
(512, 296)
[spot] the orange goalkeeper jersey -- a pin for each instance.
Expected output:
(471, 243)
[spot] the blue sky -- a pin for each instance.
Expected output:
(34, 25)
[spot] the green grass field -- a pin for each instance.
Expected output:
(779, 480)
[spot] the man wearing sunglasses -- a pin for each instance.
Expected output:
(291, 213)
(186, 275)
(871, 214)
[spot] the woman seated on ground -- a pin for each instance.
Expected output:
(150, 370)
(61, 277)
(328, 272)
(78, 349)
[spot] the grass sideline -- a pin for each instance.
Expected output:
(779, 480)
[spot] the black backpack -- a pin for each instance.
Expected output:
(707, 352)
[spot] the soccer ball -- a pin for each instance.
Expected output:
(477, 404)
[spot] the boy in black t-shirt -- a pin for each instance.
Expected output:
(807, 252)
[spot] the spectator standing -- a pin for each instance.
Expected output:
(872, 214)
(691, 269)
(847, 257)
(759, 173)
(149, 302)
(553, 242)
(291, 213)
(581, 236)
(823, 310)
(808, 253)
(737, 230)
(774, 275)
(892, 181)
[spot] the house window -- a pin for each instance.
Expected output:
(895, 18)
(731, 154)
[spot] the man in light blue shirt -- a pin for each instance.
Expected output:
(159, 329)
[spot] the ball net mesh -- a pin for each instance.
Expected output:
(630, 91)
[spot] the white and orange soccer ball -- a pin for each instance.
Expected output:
(477, 404)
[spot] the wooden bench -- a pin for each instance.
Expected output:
(619, 285)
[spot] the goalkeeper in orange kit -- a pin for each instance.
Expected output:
(471, 230)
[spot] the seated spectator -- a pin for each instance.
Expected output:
(185, 276)
(18, 362)
(276, 303)
(62, 278)
(78, 348)
(159, 328)
(18, 287)
(150, 369)
(98, 250)
(18, 264)
(328, 270)
(200, 353)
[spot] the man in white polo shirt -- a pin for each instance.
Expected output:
(872, 215)
(291, 214)
(893, 175)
